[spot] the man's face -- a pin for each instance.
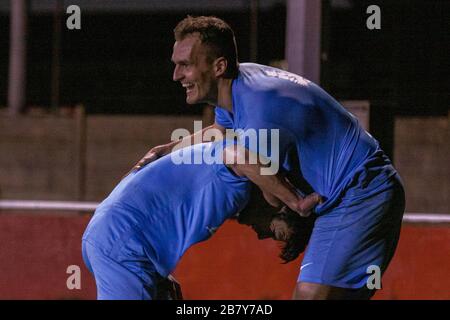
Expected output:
(193, 70)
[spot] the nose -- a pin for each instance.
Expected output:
(177, 75)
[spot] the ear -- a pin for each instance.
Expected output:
(220, 66)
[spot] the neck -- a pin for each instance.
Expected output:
(224, 96)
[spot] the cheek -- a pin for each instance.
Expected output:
(206, 80)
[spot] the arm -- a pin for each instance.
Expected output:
(162, 150)
(276, 188)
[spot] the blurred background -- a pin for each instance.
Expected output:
(78, 107)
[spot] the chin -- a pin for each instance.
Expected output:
(192, 101)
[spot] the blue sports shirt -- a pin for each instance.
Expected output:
(336, 154)
(164, 208)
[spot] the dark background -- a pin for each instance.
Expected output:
(120, 62)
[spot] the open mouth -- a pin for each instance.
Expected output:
(188, 86)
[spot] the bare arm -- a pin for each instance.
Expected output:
(203, 135)
(276, 188)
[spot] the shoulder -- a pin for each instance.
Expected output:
(265, 83)
(258, 72)
(262, 93)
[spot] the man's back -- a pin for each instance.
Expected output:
(165, 208)
(331, 145)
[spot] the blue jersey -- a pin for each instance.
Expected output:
(334, 151)
(165, 208)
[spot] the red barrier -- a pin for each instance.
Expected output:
(36, 250)
(235, 265)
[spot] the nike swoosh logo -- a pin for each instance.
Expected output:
(305, 265)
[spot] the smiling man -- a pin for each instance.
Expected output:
(358, 223)
(199, 81)
(206, 65)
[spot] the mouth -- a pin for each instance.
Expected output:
(189, 86)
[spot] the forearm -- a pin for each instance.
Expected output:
(207, 134)
(276, 188)
(271, 185)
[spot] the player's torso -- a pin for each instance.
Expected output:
(171, 206)
(330, 142)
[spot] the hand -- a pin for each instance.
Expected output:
(308, 203)
(152, 155)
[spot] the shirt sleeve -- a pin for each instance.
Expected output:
(223, 118)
